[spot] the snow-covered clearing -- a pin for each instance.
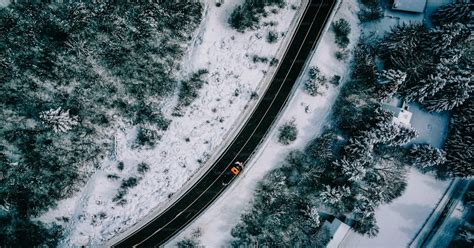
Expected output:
(4, 3)
(400, 220)
(93, 217)
(432, 128)
(216, 223)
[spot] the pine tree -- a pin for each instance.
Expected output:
(442, 38)
(312, 213)
(425, 156)
(353, 169)
(334, 195)
(363, 208)
(342, 28)
(385, 132)
(389, 82)
(360, 147)
(460, 11)
(315, 81)
(405, 135)
(59, 120)
(426, 88)
(367, 226)
(402, 40)
(288, 132)
(311, 87)
(460, 142)
(455, 93)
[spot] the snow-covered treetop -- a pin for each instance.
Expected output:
(59, 120)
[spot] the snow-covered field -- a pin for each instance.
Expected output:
(216, 223)
(4, 3)
(400, 220)
(432, 128)
(92, 217)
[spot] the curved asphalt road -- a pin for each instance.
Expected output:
(160, 229)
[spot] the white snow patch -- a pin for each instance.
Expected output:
(432, 128)
(400, 220)
(4, 3)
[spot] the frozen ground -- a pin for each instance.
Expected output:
(4, 3)
(400, 220)
(216, 222)
(432, 128)
(90, 216)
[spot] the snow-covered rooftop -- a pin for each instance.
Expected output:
(417, 6)
(401, 115)
(338, 231)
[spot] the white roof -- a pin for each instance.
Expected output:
(338, 231)
(403, 117)
(409, 5)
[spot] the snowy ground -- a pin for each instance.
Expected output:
(92, 216)
(4, 3)
(400, 220)
(431, 127)
(216, 222)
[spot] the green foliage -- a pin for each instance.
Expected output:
(129, 183)
(146, 137)
(189, 90)
(459, 145)
(120, 166)
(17, 231)
(143, 167)
(316, 80)
(371, 10)
(247, 15)
(187, 243)
(100, 63)
(288, 133)
(272, 37)
(460, 11)
(341, 28)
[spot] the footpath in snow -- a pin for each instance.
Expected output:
(90, 217)
(310, 115)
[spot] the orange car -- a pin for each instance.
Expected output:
(234, 170)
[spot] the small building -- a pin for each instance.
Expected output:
(337, 229)
(416, 6)
(401, 111)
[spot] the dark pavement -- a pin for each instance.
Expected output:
(158, 230)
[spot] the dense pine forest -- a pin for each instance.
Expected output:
(70, 74)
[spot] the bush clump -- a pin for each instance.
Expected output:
(288, 133)
(143, 167)
(342, 28)
(248, 14)
(272, 37)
